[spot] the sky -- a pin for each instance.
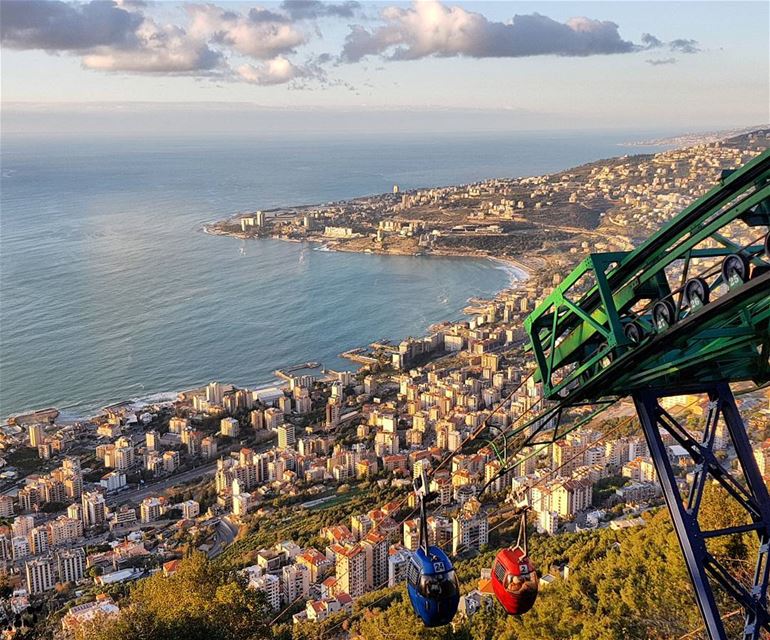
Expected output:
(468, 65)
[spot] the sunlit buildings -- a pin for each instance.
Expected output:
(94, 508)
(40, 575)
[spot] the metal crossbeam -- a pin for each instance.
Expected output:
(747, 489)
(580, 326)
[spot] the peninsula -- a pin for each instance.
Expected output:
(541, 224)
(299, 493)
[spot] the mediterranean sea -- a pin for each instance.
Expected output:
(110, 290)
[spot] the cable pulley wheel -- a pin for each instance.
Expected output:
(633, 332)
(696, 293)
(735, 269)
(663, 314)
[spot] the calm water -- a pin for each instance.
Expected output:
(109, 290)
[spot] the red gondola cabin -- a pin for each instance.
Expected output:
(514, 581)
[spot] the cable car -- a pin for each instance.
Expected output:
(432, 586)
(431, 580)
(514, 579)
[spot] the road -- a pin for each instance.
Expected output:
(154, 488)
(224, 535)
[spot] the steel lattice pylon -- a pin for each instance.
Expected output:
(746, 487)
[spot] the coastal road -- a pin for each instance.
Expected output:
(154, 488)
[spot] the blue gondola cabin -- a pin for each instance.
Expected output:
(433, 588)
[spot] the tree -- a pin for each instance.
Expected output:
(398, 622)
(623, 585)
(5, 586)
(719, 510)
(199, 601)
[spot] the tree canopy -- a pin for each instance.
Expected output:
(200, 601)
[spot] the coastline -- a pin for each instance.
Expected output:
(331, 245)
(534, 225)
(516, 270)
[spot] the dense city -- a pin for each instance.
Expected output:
(305, 488)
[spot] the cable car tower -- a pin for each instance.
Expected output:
(687, 312)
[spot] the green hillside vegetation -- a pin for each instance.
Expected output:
(622, 585)
(198, 602)
(289, 522)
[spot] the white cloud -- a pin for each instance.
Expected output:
(121, 36)
(259, 34)
(276, 71)
(166, 49)
(430, 28)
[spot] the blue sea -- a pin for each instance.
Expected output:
(110, 290)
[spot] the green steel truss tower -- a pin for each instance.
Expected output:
(687, 312)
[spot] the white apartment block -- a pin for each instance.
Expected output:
(39, 573)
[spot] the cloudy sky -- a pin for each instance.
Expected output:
(566, 63)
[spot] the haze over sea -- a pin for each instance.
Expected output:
(109, 290)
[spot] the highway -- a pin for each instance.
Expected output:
(154, 488)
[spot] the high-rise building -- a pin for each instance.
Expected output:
(548, 522)
(170, 461)
(360, 525)
(5, 550)
(316, 562)
(36, 435)
(64, 530)
(22, 525)
(214, 393)
(94, 509)
(75, 511)
(73, 477)
(113, 481)
(398, 565)
(152, 440)
(6, 507)
(257, 419)
(270, 585)
(273, 418)
(177, 424)
(375, 547)
(70, 564)
(51, 490)
(150, 509)
(153, 462)
(333, 412)
(470, 528)
(209, 447)
(295, 582)
(286, 437)
(19, 548)
(241, 502)
(229, 427)
(568, 497)
(39, 573)
(38, 540)
(411, 534)
(351, 570)
(29, 498)
(124, 458)
(190, 509)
